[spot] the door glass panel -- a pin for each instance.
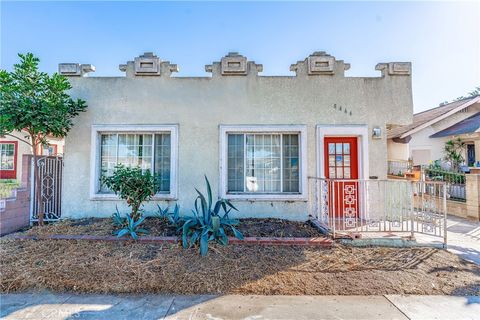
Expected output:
(338, 160)
(338, 148)
(331, 148)
(339, 173)
(331, 172)
(331, 160)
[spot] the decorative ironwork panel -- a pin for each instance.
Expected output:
(50, 182)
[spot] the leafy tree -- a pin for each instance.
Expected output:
(38, 105)
(453, 150)
(132, 185)
(475, 92)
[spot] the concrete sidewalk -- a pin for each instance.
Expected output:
(68, 306)
(463, 238)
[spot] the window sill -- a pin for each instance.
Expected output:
(267, 197)
(110, 197)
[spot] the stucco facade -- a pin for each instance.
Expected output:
(319, 97)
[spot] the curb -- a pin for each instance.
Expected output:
(312, 242)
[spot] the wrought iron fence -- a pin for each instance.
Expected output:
(455, 182)
(357, 206)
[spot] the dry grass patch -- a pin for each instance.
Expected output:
(103, 267)
(159, 227)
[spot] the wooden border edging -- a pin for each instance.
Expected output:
(315, 242)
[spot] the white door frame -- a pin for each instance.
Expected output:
(328, 130)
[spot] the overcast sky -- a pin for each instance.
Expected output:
(442, 40)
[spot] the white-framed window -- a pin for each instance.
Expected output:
(7, 156)
(263, 162)
(150, 147)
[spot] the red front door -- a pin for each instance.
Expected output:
(341, 166)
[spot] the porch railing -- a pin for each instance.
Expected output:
(382, 206)
(398, 167)
(455, 182)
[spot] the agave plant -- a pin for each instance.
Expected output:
(117, 219)
(209, 222)
(172, 217)
(132, 228)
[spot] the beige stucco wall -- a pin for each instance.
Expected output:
(199, 105)
(397, 151)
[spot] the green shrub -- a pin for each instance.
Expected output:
(208, 224)
(6, 187)
(132, 185)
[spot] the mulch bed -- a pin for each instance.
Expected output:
(126, 267)
(274, 228)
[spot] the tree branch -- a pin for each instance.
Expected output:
(11, 135)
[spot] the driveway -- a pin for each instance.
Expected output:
(68, 306)
(463, 238)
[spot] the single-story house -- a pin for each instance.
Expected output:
(424, 139)
(257, 138)
(12, 149)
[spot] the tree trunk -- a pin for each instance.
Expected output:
(36, 181)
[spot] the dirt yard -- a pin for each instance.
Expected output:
(160, 227)
(127, 267)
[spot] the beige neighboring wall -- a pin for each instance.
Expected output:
(24, 148)
(199, 105)
(421, 140)
(397, 151)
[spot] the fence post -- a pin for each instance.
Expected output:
(444, 216)
(412, 208)
(472, 190)
(32, 189)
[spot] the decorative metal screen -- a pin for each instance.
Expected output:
(50, 174)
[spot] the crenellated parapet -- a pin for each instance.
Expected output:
(234, 64)
(395, 68)
(148, 64)
(320, 63)
(75, 69)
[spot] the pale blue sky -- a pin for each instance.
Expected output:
(441, 39)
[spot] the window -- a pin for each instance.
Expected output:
(151, 148)
(263, 161)
(7, 156)
(50, 150)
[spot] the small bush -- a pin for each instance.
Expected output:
(6, 187)
(132, 185)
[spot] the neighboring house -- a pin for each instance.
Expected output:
(257, 138)
(423, 140)
(12, 149)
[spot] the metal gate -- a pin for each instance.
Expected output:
(50, 174)
(379, 206)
